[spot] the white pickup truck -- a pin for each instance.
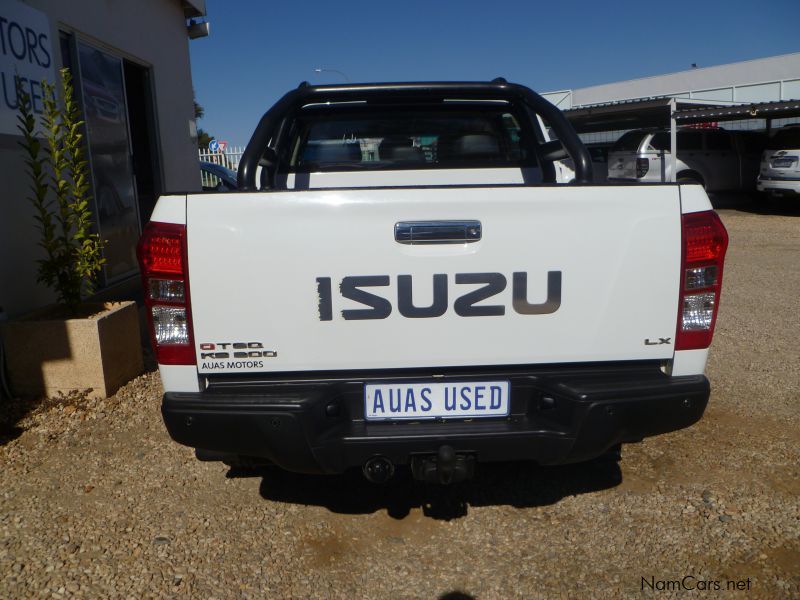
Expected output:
(408, 285)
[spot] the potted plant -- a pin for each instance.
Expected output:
(73, 345)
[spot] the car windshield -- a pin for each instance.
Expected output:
(786, 139)
(391, 137)
(629, 142)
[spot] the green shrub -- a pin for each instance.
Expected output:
(60, 194)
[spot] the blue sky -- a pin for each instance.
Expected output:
(258, 50)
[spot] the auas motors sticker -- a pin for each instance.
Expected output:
(233, 355)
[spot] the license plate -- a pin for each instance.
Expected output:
(436, 400)
(782, 163)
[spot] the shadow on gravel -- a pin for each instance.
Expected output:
(11, 413)
(756, 204)
(14, 410)
(517, 484)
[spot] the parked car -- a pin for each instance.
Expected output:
(780, 164)
(435, 309)
(714, 158)
(216, 178)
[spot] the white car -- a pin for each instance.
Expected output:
(780, 164)
(717, 159)
(435, 299)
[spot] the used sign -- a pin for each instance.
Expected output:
(26, 53)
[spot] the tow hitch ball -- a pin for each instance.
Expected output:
(445, 467)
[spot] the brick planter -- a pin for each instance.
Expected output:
(47, 355)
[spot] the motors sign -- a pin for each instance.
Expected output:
(26, 53)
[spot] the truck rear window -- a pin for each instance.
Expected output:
(408, 138)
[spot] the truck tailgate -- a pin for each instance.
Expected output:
(273, 276)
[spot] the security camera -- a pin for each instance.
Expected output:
(197, 30)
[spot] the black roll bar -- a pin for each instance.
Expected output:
(497, 90)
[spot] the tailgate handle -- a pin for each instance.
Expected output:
(437, 232)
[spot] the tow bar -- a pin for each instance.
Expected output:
(445, 467)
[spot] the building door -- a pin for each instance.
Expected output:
(105, 111)
(145, 155)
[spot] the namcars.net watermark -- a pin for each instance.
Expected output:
(689, 583)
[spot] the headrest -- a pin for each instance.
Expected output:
(474, 145)
(402, 153)
(332, 153)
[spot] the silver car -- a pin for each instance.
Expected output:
(714, 158)
(780, 164)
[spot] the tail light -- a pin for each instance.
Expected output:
(704, 243)
(163, 263)
(642, 166)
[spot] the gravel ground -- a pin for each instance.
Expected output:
(97, 501)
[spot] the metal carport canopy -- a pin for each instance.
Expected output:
(633, 114)
(784, 109)
(637, 114)
(656, 111)
(672, 112)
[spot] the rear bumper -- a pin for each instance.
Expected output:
(558, 415)
(779, 186)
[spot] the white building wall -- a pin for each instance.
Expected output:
(756, 80)
(149, 32)
(152, 33)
